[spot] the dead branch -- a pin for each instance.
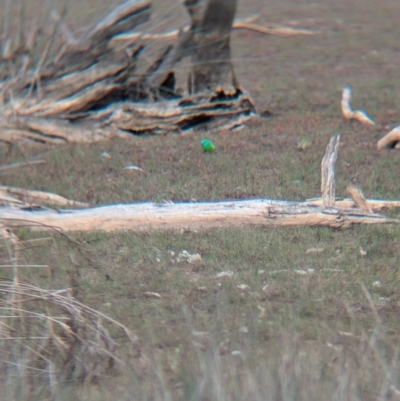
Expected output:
(376, 205)
(390, 140)
(21, 164)
(358, 197)
(238, 24)
(273, 29)
(349, 114)
(328, 165)
(37, 197)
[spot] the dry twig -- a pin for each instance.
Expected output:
(238, 24)
(349, 114)
(21, 164)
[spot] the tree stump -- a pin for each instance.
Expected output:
(91, 89)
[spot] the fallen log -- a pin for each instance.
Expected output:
(190, 216)
(204, 215)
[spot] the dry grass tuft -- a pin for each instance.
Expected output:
(48, 338)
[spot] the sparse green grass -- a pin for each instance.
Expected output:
(293, 349)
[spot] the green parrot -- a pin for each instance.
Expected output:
(207, 145)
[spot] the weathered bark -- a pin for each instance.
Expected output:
(90, 89)
(208, 43)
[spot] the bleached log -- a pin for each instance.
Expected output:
(190, 216)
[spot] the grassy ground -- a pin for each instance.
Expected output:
(266, 331)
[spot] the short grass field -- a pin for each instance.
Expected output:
(304, 313)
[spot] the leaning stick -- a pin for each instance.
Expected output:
(358, 197)
(21, 164)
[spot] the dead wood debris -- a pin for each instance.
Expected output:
(204, 215)
(349, 113)
(146, 217)
(358, 197)
(390, 140)
(328, 165)
(27, 199)
(376, 205)
(87, 88)
(238, 24)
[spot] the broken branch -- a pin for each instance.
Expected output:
(328, 164)
(358, 198)
(349, 114)
(40, 197)
(238, 24)
(390, 140)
